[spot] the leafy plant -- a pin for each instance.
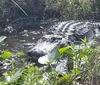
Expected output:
(6, 55)
(31, 75)
(83, 67)
(75, 9)
(8, 79)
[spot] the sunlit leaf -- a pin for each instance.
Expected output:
(62, 50)
(81, 56)
(76, 71)
(66, 50)
(2, 83)
(6, 55)
(20, 54)
(66, 78)
(84, 59)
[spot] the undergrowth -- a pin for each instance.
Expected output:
(83, 68)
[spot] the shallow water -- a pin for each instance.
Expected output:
(22, 41)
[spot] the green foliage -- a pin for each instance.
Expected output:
(31, 75)
(83, 63)
(6, 55)
(84, 60)
(75, 9)
(84, 41)
(12, 76)
(20, 54)
(65, 79)
(16, 75)
(8, 78)
(76, 71)
(67, 50)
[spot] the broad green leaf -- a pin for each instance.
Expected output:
(76, 71)
(62, 50)
(6, 55)
(67, 50)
